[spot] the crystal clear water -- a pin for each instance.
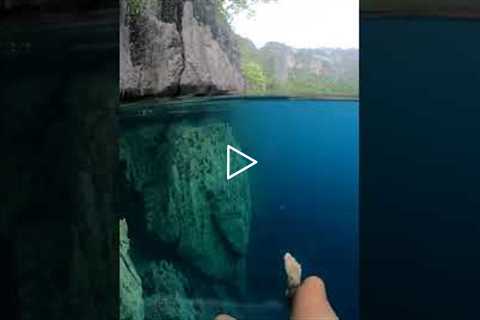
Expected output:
(303, 192)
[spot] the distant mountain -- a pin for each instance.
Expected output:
(279, 69)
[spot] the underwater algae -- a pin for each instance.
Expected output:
(191, 233)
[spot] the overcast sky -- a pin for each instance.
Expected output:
(303, 23)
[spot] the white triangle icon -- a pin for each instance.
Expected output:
(233, 175)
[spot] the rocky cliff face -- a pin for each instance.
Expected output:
(304, 71)
(278, 59)
(176, 47)
(188, 204)
(284, 63)
(189, 223)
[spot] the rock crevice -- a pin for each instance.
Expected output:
(176, 47)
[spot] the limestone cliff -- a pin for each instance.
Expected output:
(180, 172)
(292, 71)
(190, 227)
(176, 47)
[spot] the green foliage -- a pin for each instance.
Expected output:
(301, 83)
(255, 77)
(252, 67)
(258, 68)
(135, 7)
(230, 8)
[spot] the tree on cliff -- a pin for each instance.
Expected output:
(255, 77)
(229, 8)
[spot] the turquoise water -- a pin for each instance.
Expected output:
(303, 193)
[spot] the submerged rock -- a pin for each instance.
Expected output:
(189, 205)
(166, 293)
(131, 293)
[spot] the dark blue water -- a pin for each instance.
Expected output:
(420, 129)
(304, 191)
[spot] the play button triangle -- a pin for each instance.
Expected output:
(231, 175)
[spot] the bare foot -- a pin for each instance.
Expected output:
(294, 274)
(311, 302)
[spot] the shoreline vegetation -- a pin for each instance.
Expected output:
(195, 53)
(278, 69)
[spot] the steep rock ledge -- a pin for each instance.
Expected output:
(176, 47)
(190, 228)
(188, 204)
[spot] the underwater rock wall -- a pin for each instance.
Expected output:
(194, 226)
(131, 292)
(166, 293)
(176, 47)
